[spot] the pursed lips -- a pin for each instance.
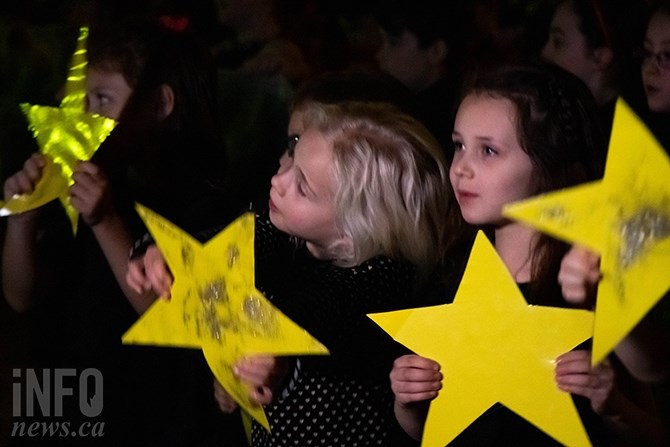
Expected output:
(462, 194)
(271, 203)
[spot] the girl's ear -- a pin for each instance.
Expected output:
(166, 105)
(603, 57)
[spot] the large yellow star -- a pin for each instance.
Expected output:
(626, 218)
(215, 305)
(67, 134)
(493, 347)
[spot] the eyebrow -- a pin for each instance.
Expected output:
(479, 139)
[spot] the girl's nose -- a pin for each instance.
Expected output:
(278, 181)
(461, 169)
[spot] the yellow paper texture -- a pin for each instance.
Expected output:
(625, 217)
(66, 135)
(493, 347)
(215, 305)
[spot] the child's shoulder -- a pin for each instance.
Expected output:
(379, 273)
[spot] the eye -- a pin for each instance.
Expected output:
(290, 144)
(458, 146)
(299, 188)
(664, 58)
(488, 150)
(103, 99)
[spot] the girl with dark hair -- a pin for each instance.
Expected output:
(519, 132)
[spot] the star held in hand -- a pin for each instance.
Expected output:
(67, 135)
(625, 217)
(493, 347)
(215, 305)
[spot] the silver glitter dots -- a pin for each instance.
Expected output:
(259, 315)
(233, 255)
(645, 227)
(211, 294)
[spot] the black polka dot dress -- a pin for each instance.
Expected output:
(343, 399)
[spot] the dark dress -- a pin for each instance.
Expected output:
(344, 398)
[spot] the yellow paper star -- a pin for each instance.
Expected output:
(215, 305)
(626, 218)
(67, 134)
(493, 347)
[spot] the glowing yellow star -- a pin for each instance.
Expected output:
(493, 347)
(67, 134)
(626, 218)
(215, 305)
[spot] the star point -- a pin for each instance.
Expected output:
(215, 305)
(493, 347)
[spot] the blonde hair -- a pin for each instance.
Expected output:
(391, 180)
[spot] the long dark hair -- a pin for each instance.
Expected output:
(557, 126)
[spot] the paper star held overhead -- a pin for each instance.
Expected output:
(215, 305)
(66, 134)
(493, 347)
(625, 217)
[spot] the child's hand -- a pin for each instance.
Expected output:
(150, 272)
(264, 374)
(415, 379)
(226, 403)
(90, 194)
(24, 181)
(136, 276)
(575, 375)
(579, 276)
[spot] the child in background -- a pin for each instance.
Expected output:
(363, 190)
(160, 85)
(656, 61)
(423, 48)
(347, 85)
(519, 132)
(596, 41)
(656, 72)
